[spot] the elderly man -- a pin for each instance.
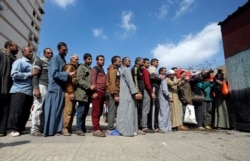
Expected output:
(69, 107)
(7, 57)
(21, 92)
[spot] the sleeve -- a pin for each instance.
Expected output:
(130, 82)
(93, 76)
(71, 81)
(16, 71)
(134, 74)
(57, 73)
(165, 89)
(112, 78)
(146, 79)
(81, 75)
(35, 78)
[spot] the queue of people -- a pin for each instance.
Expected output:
(140, 99)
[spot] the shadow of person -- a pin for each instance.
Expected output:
(13, 143)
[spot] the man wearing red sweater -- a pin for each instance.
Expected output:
(98, 79)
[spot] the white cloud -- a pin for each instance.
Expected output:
(64, 3)
(127, 23)
(184, 7)
(162, 12)
(99, 33)
(191, 50)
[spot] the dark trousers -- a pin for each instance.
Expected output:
(156, 104)
(4, 112)
(97, 107)
(199, 111)
(81, 114)
(139, 113)
(19, 111)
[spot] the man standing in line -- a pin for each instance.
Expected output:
(21, 92)
(83, 94)
(7, 57)
(139, 84)
(155, 82)
(113, 87)
(69, 105)
(98, 78)
(54, 103)
(40, 84)
(127, 119)
(148, 93)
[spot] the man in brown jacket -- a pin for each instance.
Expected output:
(113, 88)
(69, 107)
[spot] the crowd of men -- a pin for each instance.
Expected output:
(140, 98)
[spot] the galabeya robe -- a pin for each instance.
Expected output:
(127, 121)
(54, 100)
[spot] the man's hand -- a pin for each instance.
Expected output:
(138, 96)
(71, 74)
(94, 95)
(72, 96)
(36, 93)
(35, 72)
(92, 87)
(153, 95)
(116, 98)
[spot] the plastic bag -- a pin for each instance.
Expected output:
(189, 116)
(224, 88)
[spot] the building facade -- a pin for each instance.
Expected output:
(20, 21)
(235, 31)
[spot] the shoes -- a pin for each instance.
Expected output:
(113, 133)
(140, 132)
(98, 133)
(147, 130)
(182, 128)
(2, 134)
(200, 128)
(161, 131)
(80, 133)
(57, 134)
(66, 133)
(15, 133)
(208, 127)
(37, 133)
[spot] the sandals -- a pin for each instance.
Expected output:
(37, 133)
(98, 133)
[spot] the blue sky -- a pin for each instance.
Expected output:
(182, 33)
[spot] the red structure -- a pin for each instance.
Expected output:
(235, 31)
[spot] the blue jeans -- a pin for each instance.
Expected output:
(81, 114)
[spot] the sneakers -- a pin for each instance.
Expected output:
(208, 127)
(80, 133)
(15, 133)
(200, 128)
(113, 133)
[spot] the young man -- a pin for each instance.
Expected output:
(148, 95)
(69, 95)
(113, 88)
(127, 119)
(21, 92)
(83, 94)
(54, 103)
(7, 57)
(98, 79)
(40, 84)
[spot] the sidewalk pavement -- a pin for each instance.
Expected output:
(216, 145)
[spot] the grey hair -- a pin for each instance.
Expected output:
(74, 55)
